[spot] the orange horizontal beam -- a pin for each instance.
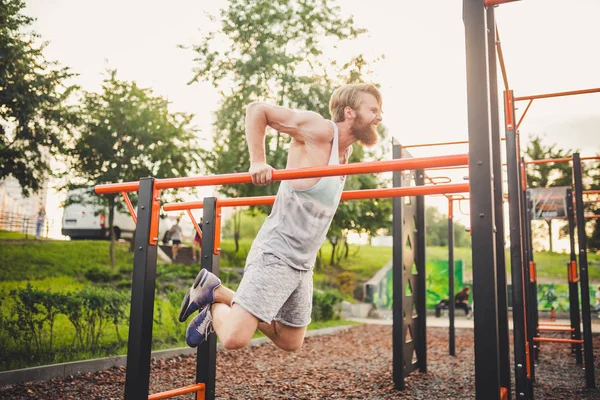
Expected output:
(555, 329)
(556, 340)
(199, 388)
(347, 195)
(372, 167)
(557, 94)
(489, 3)
(559, 160)
(413, 146)
(592, 216)
(591, 192)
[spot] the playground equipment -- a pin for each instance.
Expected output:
(409, 297)
(492, 355)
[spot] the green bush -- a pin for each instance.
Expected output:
(346, 282)
(325, 305)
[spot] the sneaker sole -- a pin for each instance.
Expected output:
(184, 311)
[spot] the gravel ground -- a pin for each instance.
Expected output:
(355, 364)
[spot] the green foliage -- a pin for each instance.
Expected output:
(13, 235)
(547, 175)
(274, 53)
(437, 230)
(35, 120)
(326, 305)
(127, 132)
(36, 260)
(346, 283)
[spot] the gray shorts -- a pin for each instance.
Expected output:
(272, 290)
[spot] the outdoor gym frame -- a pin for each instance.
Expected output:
(492, 357)
(146, 240)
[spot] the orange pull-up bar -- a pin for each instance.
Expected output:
(347, 195)
(198, 388)
(298, 173)
(556, 340)
(557, 94)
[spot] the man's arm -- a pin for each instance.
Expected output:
(302, 126)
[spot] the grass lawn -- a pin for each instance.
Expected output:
(13, 235)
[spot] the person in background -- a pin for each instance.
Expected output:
(176, 238)
(461, 300)
(41, 218)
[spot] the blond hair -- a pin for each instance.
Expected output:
(349, 96)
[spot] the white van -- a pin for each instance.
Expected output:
(85, 219)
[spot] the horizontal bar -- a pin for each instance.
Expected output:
(414, 146)
(555, 329)
(591, 192)
(556, 340)
(553, 324)
(559, 160)
(198, 388)
(557, 94)
(348, 195)
(298, 173)
(490, 3)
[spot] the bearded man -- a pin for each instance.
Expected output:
(275, 294)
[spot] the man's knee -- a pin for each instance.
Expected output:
(235, 341)
(291, 344)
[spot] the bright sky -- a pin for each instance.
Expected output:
(549, 46)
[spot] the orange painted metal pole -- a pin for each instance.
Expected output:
(129, 206)
(591, 192)
(299, 173)
(595, 216)
(414, 146)
(490, 3)
(555, 329)
(348, 195)
(557, 94)
(195, 224)
(556, 340)
(501, 60)
(524, 113)
(199, 388)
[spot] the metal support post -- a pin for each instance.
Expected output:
(139, 345)
(522, 389)
(503, 334)
(487, 358)
(421, 281)
(588, 349)
(206, 360)
(451, 341)
(573, 286)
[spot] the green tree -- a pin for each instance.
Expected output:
(274, 52)
(547, 175)
(436, 229)
(34, 116)
(127, 133)
(594, 208)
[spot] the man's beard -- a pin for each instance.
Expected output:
(364, 132)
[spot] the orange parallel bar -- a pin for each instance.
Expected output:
(591, 192)
(557, 94)
(129, 206)
(347, 195)
(556, 340)
(199, 388)
(553, 324)
(595, 216)
(298, 173)
(555, 329)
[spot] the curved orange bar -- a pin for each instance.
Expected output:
(348, 195)
(299, 173)
(199, 388)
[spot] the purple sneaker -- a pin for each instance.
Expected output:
(199, 328)
(201, 293)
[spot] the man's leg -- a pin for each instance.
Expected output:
(235, 326)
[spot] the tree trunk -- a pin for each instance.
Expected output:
(333, 242)
(111, 219)
(549, 222)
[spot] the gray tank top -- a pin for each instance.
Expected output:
(300, 219)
